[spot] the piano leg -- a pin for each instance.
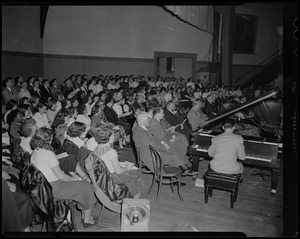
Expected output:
(195, 163)
(274, 180)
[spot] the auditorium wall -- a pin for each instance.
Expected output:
(114, 39)
(267, 41)
(22, 47)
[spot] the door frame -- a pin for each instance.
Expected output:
(161, 54)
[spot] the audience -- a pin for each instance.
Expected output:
(94, 115)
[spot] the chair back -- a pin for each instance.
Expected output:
(157, 161)
(39, 191)
(102, 179)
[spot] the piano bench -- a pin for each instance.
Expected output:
(222, 181)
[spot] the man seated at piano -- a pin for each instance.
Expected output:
(195, 116)
(226, 148)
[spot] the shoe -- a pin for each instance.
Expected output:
(189, 172)
(87, 225)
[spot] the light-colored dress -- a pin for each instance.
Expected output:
(133, 179)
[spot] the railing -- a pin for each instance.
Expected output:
(269, 59)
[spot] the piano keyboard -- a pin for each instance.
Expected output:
(248, 155)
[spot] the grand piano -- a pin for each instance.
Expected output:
(263, 149)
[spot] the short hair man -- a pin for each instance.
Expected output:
(226, 148)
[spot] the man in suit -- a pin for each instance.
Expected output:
(36, 91)
(53, 87)
(210, 108)
(195, 116)
(173, 120)
(143, 138)
(46, 92)
(67, 88)
(9, 92)
(139, 103)
(226, 148)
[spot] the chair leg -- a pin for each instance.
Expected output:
(232, 199)
(210, 191)
(236, 193)
(171, 185)
(158, 191)
(178, 188)
(101, 212)
(73, 216)
(153, 179)
(206, 194)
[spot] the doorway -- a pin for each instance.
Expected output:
(170, 64)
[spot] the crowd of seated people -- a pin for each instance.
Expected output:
(49, 119)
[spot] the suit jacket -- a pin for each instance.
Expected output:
(8, 95)
(210, 109)
(112, 117)
(225, 149)
(54, 90)
(66, 90)
(36, 93)
(46, 93)
(142, 139)
(171, 118)
(137, 105)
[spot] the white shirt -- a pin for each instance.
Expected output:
(99, 88)
(84, 119)
(152, 83)
(93, 88)
(135, 84)
(25, 144)
(198, 94)
(51, 115)
(168, 97)
(191, 84)
(24, 93)
(41, 120)
(89, 107)
(44, 160)
(118, 109)
(110, 86)
(91, 144)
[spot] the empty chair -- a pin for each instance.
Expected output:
(164, 171)
(222, 181)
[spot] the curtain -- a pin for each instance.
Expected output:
(201, 17)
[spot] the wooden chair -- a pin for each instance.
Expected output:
(56, 215)
(164, 171)
(105, 200)
(140, 164)
(222, 181)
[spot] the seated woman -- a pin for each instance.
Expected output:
(60, 126)
(112, 116)
(11, 105)
(67, 163)
(74, 144)
(14, 120)
(51, 111)
(63, 186)
(133, 179)
(40, 116)
(99, 118)
(83, 116)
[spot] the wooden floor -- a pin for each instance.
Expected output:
(256, 213)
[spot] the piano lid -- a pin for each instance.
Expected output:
(238, 108)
